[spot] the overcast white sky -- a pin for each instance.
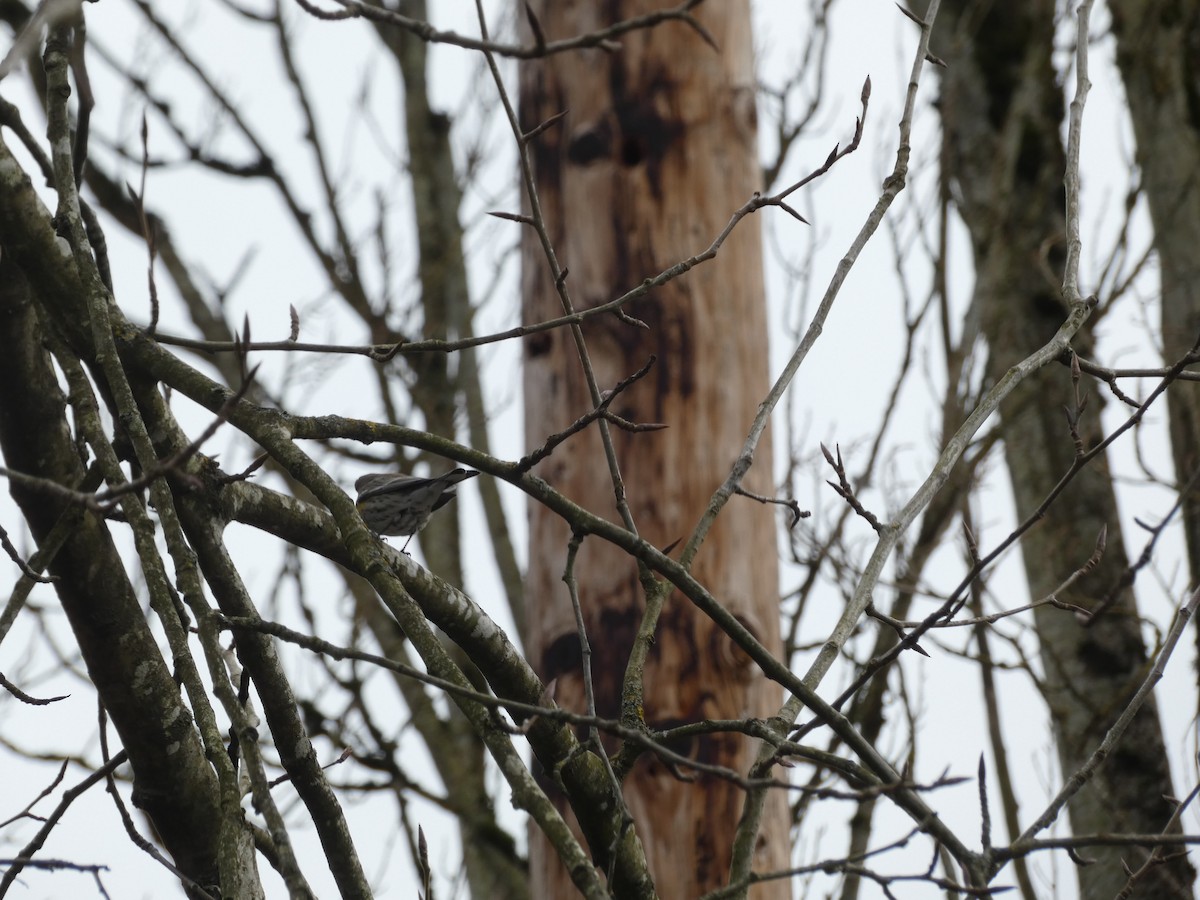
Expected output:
(837, 398)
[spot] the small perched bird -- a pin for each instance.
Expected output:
(402, 504)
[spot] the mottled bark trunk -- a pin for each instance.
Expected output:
(656, 152)
(1158, 45)
(172, 782)
(1002, 112)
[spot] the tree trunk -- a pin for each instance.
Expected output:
(172, 782)
(490, 863)
(657, 151)
(1002, 111)
(1157, 48)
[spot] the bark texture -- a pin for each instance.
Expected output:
(172, 782)
(1158, 45)
(1002, 112)
(657, 150)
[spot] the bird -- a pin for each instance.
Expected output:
(403, 504)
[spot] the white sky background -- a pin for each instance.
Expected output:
(837, 397)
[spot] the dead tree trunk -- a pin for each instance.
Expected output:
(657, 150)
